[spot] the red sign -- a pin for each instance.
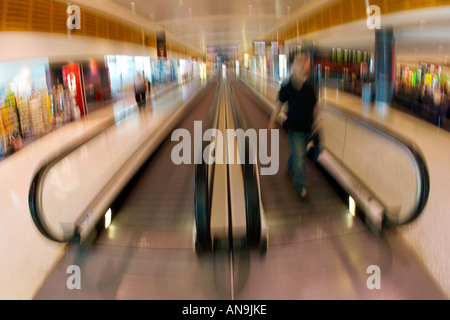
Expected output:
(73, 80)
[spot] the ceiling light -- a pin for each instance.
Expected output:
(351, 206)
(108, 217)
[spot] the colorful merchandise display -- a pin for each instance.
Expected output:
(24, 118)
(10, 131)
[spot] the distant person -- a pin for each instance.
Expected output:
(149, 86)
(298, 92)
(140, 90)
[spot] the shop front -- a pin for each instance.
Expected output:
(25, 104)
(423, 90)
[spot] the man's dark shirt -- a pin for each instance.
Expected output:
(300, 115)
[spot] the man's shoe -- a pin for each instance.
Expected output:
(303, 194)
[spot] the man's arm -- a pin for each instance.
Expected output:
(275, 113)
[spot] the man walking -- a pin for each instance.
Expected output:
(298, 92)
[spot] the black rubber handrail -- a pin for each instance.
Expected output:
(35, 210)
(249, 171)
(35, 195)
(203, 185)
(416, 154)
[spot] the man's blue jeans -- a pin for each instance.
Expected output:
(297, 162)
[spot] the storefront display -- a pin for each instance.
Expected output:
(185, 70)
(123, 69)
(74, 81)
(21, 117)
(423, 89)
(37, 96)
(11, 138)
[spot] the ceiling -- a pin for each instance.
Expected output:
(230, 24)
(420, 35)
(203, 23)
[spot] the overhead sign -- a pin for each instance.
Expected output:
(161, 44)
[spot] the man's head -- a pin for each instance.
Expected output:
(301, 66)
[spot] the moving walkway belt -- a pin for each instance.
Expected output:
(232, 212)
